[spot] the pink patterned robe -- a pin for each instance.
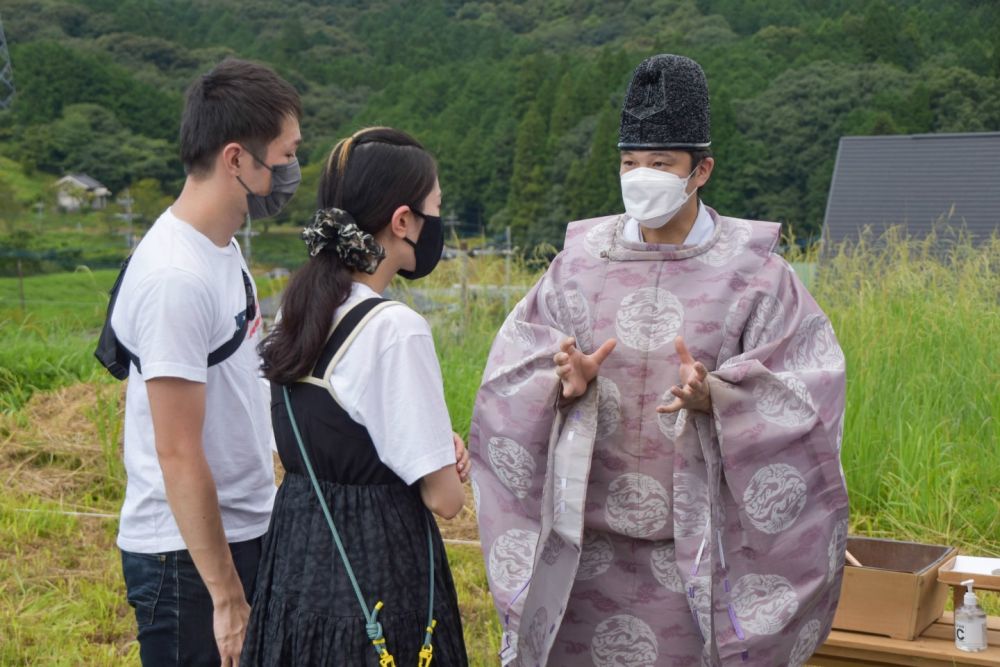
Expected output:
(617, 536)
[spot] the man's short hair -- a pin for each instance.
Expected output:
(698, 154)
(237, 101)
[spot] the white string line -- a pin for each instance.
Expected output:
(101, 515)
(98, 515)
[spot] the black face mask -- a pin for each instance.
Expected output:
(428, 247)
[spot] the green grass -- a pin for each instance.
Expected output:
(920, 334)
(27, 189)
(51, 342)
(62, 601)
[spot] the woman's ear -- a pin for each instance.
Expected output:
(402, 220)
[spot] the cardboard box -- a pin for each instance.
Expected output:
(896, 592)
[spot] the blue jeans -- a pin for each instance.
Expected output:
(172, 606)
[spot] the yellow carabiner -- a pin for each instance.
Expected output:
(427, 650)
(386, 659)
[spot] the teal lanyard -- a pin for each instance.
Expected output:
(372, 626)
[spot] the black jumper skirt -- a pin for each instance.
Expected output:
(304, 610)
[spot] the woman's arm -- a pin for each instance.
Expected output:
(442, 490)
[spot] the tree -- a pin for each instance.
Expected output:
(528, 182)
(593, 186)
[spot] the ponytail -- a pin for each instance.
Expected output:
(313, 294)
(368, 175)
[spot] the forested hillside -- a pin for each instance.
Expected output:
(519, 99)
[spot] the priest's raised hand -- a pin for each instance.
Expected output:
(693, 391)
(577, 369)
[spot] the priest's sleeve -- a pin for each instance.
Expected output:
(514, 415)
(778, 395)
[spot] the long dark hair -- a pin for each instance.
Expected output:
(369, 174)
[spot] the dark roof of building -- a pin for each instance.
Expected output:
(916, 180)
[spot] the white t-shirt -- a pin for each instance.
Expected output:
(179, 301)
(389, 381)
(701, 230)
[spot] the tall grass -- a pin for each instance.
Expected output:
(919, 322)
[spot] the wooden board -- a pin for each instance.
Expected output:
(934, 648)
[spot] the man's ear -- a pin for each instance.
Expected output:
(703, 172)
(232, 157)
(402, 220)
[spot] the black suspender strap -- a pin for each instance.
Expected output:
(342, 331)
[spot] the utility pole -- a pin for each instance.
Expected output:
(506, 271)
(451, 222)
(6, 72)
(126, 201)
(20, 282)
(247, 235)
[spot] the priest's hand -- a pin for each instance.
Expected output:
(693, 392)
(577, 369)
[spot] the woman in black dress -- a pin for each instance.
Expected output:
(356, 395)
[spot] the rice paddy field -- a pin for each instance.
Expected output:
(920, 327)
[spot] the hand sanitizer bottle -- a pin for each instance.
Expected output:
(970, 623)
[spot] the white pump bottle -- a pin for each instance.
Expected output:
(970, 623)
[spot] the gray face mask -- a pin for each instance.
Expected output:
(285, 179)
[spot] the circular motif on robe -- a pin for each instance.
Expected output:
(814, 346)
(508, 380)
(733, 240)
(569, 310)
(535, 639)
(553, 547)
(624, 641)
(774, 497)
(691, 510)
(671, 423)
(609, 407)
(515, 329)
(512, 558)
(764, 603)
(649, 318)
(806, 643)
(475, 494)
(663, 563)
(701, 603)
(732, 332)
(596, 555)
(637, 506)
(783, 399)
(766, 322)
(512, 463)
(572, 314)
(598, 239)
(835, 550)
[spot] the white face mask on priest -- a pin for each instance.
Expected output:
(661, 185)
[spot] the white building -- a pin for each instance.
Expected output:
(78, 190)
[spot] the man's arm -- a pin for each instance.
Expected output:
(178, 411)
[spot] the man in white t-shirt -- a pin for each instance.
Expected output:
(197, 428)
